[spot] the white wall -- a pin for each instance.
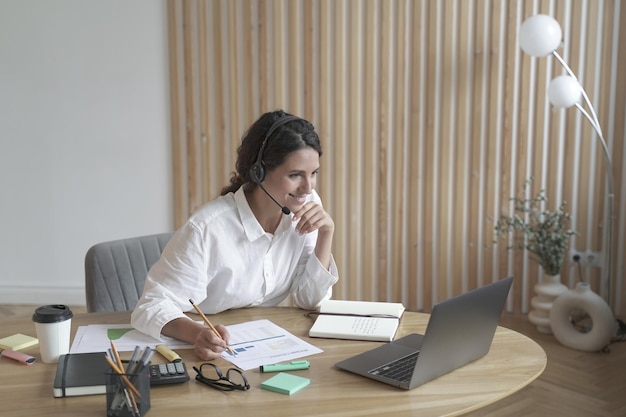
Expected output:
(84, 137)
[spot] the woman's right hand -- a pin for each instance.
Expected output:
(208, 345)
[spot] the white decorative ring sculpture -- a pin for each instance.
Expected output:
(582, 302)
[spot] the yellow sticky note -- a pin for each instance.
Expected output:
(18, 341)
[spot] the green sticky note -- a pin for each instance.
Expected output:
(284, 383)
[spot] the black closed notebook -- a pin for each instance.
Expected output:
(81, 374)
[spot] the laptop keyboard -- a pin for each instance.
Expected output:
(400, 369)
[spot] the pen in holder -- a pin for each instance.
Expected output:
(128, 395)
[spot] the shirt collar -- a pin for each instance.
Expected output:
(251, 225)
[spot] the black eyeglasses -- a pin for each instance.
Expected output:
(211, 375)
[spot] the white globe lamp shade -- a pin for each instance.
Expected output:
(564, 91)
(540, 35)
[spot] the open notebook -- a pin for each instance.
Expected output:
(357, 320)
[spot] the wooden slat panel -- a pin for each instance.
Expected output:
(218, 130)
(180, 200)
(191, 110)
(370, 108)
(431, 119)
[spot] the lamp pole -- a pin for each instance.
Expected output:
(540, 36)
(595, 123)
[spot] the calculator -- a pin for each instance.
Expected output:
(168, 373)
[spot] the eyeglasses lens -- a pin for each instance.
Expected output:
(236, 377)
(212, 375)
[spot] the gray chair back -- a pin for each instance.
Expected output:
(115, 271)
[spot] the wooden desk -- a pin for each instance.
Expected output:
(513, 362)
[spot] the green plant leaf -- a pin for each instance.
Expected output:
(543, 233)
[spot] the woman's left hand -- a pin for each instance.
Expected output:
(312, 216)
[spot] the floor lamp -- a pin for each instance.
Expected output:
(540, 36)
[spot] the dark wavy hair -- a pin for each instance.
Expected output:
(292, 136)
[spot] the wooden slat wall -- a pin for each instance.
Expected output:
(431, 118)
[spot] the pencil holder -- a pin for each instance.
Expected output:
(122, 390)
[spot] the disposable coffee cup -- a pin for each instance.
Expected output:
(53, 324)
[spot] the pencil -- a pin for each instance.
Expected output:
(208, 323)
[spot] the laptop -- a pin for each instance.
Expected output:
(460, 330)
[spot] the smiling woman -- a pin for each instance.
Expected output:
(267, 237)
(279, 152)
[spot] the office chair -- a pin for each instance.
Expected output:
(115, 271)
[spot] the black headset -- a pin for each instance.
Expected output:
(257, 170)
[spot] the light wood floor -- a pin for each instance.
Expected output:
(573, 384)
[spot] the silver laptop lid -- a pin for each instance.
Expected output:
(460, 330)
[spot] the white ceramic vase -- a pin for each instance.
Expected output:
(582, 320)
(547, 291)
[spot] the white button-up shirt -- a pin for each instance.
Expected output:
(223, 259)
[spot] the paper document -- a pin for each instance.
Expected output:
(97, 337)
(255, 343)
(262, 342)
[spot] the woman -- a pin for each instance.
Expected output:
(265, 238)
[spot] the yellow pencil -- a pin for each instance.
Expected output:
(208, 323)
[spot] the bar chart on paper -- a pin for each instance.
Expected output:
(262, 342)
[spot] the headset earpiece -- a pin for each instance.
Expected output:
(257, 172)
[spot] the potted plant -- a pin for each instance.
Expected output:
(546, 236)
(543, 233)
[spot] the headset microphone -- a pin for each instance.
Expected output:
(284, 209)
